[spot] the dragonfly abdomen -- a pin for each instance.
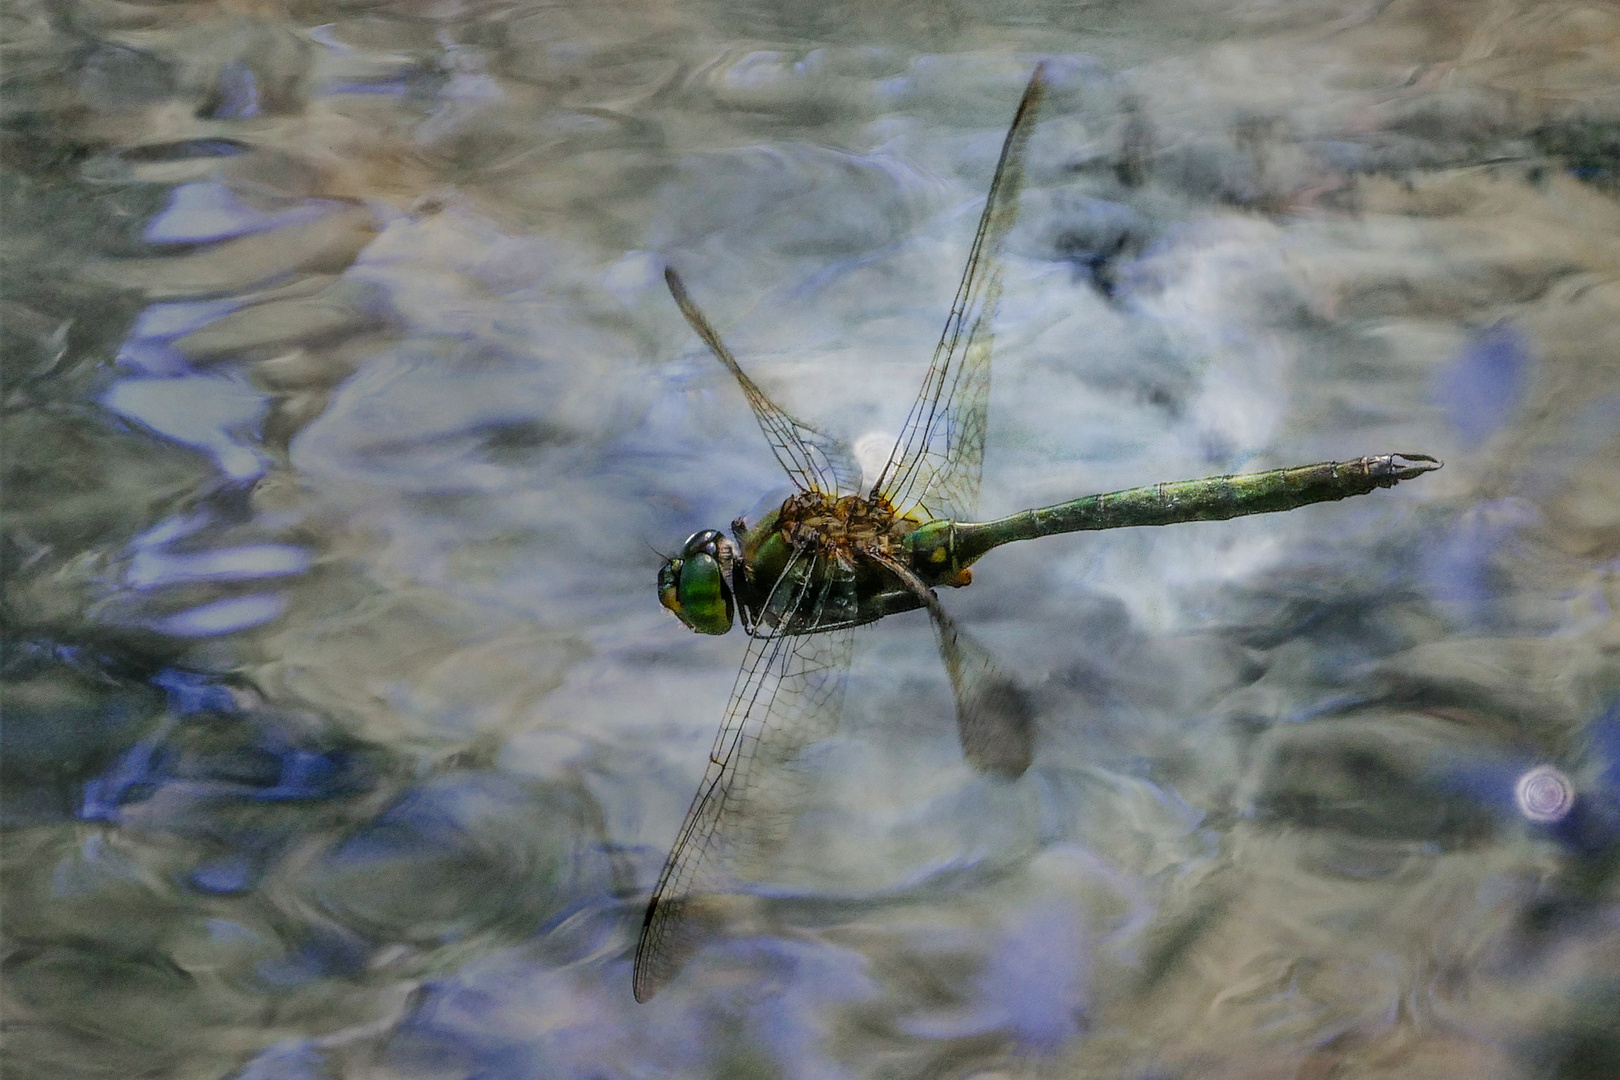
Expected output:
(955, 545)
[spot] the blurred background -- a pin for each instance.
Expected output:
(346, 412)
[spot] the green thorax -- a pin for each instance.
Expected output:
(841, 531)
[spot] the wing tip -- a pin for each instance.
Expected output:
(1037, 83)
(643, 983)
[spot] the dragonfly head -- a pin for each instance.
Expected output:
(696, 584)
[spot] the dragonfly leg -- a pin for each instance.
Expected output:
(892, 602)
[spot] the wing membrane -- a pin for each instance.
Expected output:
(788, 694)
(813, 460)
(937, 461)
(993, 714)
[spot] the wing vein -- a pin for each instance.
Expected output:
(786, 690)
(811, 459)
(937, 459)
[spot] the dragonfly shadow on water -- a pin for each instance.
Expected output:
(833, 557)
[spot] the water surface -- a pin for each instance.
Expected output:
(346, 408)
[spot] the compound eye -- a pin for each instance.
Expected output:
(705, 602)
(702, 543)
(669, 576)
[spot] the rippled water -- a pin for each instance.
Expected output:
(345, 408)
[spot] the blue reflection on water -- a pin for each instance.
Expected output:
(790, 1022)
(1593, 825)
(208, 210)
(294, 1059)
(153, 567)
(511, 1017)
(150, 569)
(1460, 568)
(430, 821)
(237, 92)
(50, 743)
(149, 348)
(323, 954)
(204, 412)
(204, 762)
(1035, 983)
(223, 616)
(1606, 745)
(1033, 989)
(103, 794)
(1590, 828)
(225, 875)
(1481, 389)
(268, 765)
(189, 692)
(454, 1032)
(1488, 781)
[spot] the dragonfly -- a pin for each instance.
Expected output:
(833, 557)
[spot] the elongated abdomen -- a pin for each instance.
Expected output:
(942, 546)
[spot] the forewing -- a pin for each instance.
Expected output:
(815, 462)
(937, 461)
(787, 695)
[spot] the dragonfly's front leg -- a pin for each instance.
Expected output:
(742, 577)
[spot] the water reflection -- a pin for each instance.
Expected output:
(1544, 794)
(343, 400)
(1482, 387)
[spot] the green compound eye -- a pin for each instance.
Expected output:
(703, 599)
(668, 576)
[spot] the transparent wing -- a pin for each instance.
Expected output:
(993, 714)
(815, 462)
(787, 695)
(936, 462)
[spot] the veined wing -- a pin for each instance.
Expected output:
(813, 460)
(787, 695)
(937, 461)
(993, 715)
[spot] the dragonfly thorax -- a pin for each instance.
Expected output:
(841, 527)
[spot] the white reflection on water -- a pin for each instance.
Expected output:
(223, 616)
(150, 569)
(205, 211)
(210, 413)
(1544, 794)
(344, 733)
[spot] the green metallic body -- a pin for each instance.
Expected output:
(766, 551)
(939, 552)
